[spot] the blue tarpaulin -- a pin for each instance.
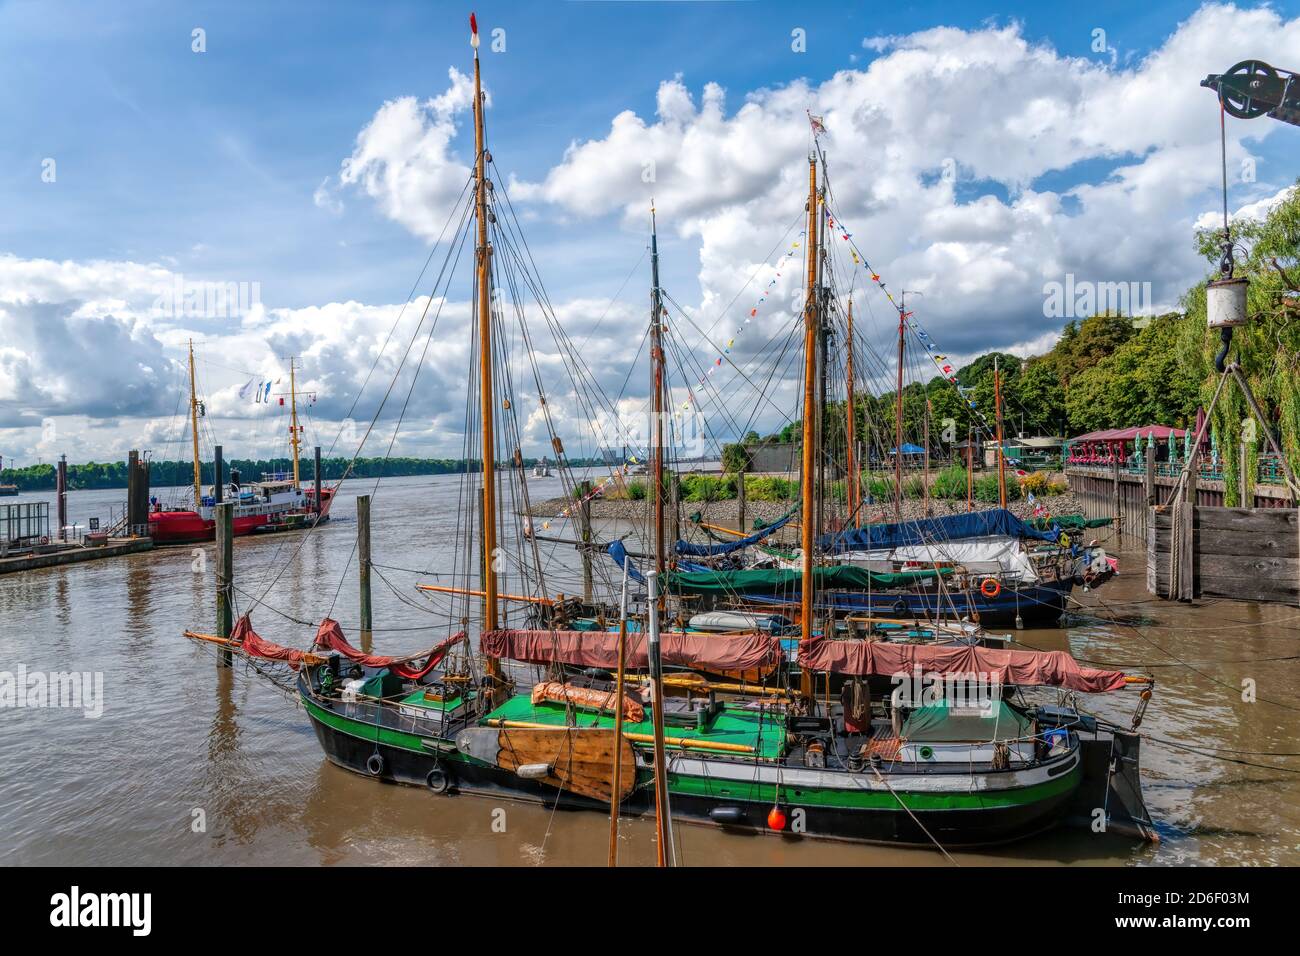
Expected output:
(977, 524)
(710, 550)
(620, 555)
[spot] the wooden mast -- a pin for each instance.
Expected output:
(657, 400)
(194, 428)
(851, 486)
(662, 833)
(898, 414)
(487, 407)
(925, 472)
(294, 440)
(997, 400)
(807, 477)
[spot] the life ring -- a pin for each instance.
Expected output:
(375, 764)
(438, 779)
(990, 587)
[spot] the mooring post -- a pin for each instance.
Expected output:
(316, 478)
(218, 474)
(1242, 484)
(1187, 588)
(584, 512)
(133, 516)
(363, 566)
(1119, 517)
(740, 500)
(674, 504)
(63, 497)
(224, 519)
(1149, 480)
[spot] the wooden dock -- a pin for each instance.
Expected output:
(1249, 554)
(73, 554)
(1127, 495)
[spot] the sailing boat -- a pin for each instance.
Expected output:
(276, 503)
(923, 743)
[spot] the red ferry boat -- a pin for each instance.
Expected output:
(276, 503)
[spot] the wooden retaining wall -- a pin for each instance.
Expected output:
(1249, 554)
(1127, 495)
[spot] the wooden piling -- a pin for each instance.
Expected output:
(363, 566)
(316, 479)
(1243, 485)
(1149, 477)
(133, 516)
(62, 487)
(218, 476)
(740, 501)
(224, 519)
(584, 515)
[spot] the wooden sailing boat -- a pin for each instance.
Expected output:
(869, 764)
(278, 502)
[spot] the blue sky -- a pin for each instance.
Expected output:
(206, 164)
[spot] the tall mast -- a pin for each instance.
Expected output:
(898, 414)
(487, 406)
(294, 440)
(851, 486)
(807, 477)
(997, 400)
(657, 398)
(194, 428)
(925, 474)
(663, 822)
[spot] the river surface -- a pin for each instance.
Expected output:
(191, 764)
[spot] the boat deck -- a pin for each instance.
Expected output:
(764, 731)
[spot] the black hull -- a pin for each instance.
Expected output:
(951, 828)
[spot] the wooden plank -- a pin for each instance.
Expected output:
(1249, 566)
(1251, 589)
(1211, 543)
(1279, 521)
(581, 759)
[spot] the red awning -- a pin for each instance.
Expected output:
(715, 652)
(1162, 433)
(1032, 668)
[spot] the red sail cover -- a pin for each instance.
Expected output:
(250, 643)
(330, 638)
(715, 652)
(1035, 668)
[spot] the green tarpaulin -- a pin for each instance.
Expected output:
(1068, 522)
(940, 723)
(838, 577)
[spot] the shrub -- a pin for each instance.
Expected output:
(986, 488)
(880, 488)
(949, 483)
(1037, 482)
(770, 488)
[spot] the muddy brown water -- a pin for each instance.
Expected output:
(181, 741)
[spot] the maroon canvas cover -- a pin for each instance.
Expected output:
(248, 641)
(1036, 668)
(329, 637)
(716, 652)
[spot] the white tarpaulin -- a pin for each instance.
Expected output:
(990, 555)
